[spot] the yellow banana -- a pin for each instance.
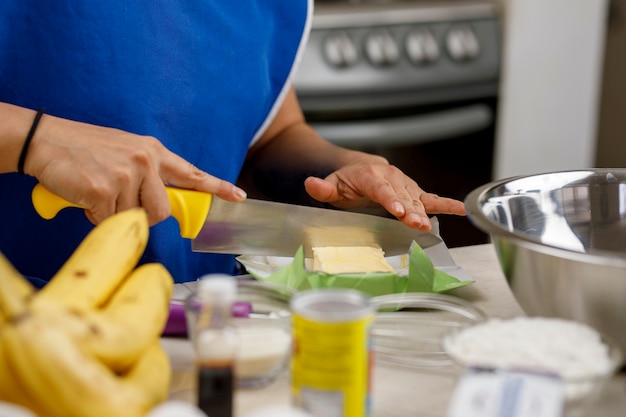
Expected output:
(88, 343)
(64, 381)
(126, 326)
(135, 316)
(151, 375)
(14, 291)
(10, 390)
(101, 261)
(20, 393)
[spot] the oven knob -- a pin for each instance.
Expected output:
(340, 50)
(421, 47)
(462, 43)
(381, 48)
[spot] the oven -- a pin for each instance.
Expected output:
(414, 81)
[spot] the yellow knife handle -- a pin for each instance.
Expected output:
(189, 207)
(48, 204)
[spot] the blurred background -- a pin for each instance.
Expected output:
(458, 93)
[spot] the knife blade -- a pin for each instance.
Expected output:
(258, 227)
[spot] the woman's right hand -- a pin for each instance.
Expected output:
(108, 170)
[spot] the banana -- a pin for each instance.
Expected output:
(87, 344)
(127, 325)
(12, 305)
(64, 381)
(10, 390)
(121, 331)
(15, 291)
(101, 261)
(151, 375)
(20, 393)
(135, 316)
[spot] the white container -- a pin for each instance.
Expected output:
(262, 319)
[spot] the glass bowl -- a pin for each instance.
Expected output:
(262, 318)
(408, 327)
(581, 359)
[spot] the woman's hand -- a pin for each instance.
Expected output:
(291, 148)
(108, 170)
(367, 183)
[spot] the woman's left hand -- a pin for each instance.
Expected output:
(291, 149)
(369, 183)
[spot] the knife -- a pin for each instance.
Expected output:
(257, 227)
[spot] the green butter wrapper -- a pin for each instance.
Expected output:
(422, 277)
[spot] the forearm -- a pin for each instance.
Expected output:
(103, 169)
(15, 123)
(277, 169)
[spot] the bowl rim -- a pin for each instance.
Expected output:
(419, 349)
(476, 197)
(616, 357)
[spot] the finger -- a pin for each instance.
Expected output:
(113, 194)
(380, 191)
(321, 190)
(90, 217)
(185, 175)
(99, 200)
(414, 215)
(396, 197)
(400, 196)
(97, 214)
(97, 204)
(435, 204)
(128, 197)
(225, 189)
(153, 197)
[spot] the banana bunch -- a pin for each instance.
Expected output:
(87, 344)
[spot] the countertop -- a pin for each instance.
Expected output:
(402, 392)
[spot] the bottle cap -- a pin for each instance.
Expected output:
(218, 287)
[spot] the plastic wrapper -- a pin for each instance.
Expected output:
(415, 272)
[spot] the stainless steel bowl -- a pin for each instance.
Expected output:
(561, 242)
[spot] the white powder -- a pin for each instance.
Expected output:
(569, 349)
(263, 351)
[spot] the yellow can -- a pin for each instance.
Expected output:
(333, 357)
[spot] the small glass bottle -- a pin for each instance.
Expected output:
(217, 345)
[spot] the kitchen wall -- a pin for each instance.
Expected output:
(611, 150)
(553, 56)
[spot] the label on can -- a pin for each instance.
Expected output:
(333, 356)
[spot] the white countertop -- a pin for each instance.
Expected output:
(402, 392)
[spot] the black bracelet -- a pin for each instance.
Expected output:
(29, 138)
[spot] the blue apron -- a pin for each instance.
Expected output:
(201, 76)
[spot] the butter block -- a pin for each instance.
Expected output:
(350, 259)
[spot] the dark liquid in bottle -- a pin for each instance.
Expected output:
(215, 389)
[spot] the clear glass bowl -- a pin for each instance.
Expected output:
(579, 391)
(409, 327)
(262, 319)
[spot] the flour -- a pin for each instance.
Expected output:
(569, 349)
(264, 351)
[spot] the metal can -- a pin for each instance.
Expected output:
(333, 356)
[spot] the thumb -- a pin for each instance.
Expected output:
(321, 190)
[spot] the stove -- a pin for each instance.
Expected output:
(377, 53)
